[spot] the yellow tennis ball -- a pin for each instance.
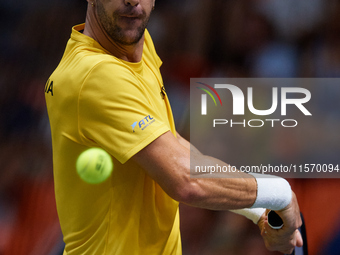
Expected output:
(94, 165)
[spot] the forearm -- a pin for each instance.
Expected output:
(172, 165)
(172, 172)
(233, 191)
(224, 191)
(188, 145)
(271, 193)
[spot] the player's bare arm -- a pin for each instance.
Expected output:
(167, 160)
(187, 144)
(284, 240)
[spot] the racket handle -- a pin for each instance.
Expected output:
(274, 220)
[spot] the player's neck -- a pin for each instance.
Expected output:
(130, 53)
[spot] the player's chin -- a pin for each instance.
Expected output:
(132, 37)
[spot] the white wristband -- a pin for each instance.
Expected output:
(273, 192)
(253, 214)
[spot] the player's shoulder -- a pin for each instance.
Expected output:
(84, 69)
(84, 53)
(87, 57)
(83, 60)
(108, 75)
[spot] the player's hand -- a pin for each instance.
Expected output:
(285, 239)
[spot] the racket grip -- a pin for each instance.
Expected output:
(274, 220)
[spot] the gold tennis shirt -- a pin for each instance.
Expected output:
(97, 100)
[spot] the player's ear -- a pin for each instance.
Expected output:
(153, 4)
(92, 2)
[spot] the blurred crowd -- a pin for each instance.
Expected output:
(194, 38)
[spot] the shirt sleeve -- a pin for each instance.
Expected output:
(115, 112)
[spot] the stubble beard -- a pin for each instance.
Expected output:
(115, 32)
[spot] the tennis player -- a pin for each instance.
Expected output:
(108, 92)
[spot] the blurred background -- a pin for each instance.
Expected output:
(194, 38)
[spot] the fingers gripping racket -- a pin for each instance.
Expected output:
(276, 222)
